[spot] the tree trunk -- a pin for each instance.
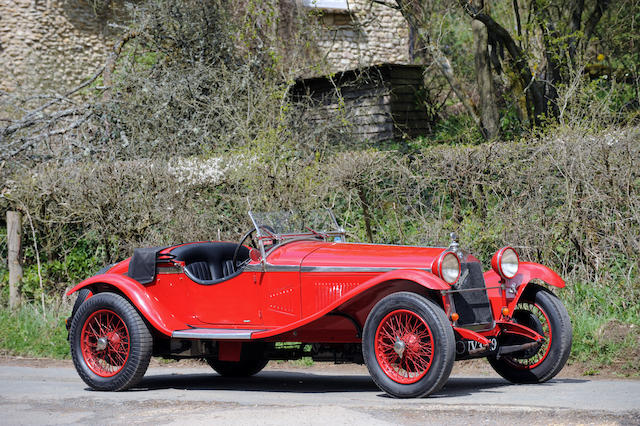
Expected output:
(534, 89)
(575, 23)
(14, 231)
(592, 21)
(413, 17)
(488, 108)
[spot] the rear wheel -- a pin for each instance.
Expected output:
(252, 361)
(110, 343)
(408, 345)
(542, 311)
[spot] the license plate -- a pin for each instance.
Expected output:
(473, 346)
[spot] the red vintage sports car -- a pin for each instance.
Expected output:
(406, 312)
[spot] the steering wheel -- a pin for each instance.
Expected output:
(245, 237)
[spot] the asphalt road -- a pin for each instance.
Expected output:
(195, 395)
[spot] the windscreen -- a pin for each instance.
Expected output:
(282, 223)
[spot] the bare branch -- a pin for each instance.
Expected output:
(113, 58)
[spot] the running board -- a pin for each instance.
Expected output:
(214, 334)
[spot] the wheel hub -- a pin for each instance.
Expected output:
(101, 345)
(399, 346)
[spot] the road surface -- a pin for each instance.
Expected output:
(195, 395)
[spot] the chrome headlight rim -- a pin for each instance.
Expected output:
(506, 262)
(445, 269)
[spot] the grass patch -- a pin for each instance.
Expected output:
(26, 332)
(600, 343)
(606, 326)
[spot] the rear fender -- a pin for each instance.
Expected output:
(527, 271)
(155, 313)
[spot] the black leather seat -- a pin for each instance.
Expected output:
(200, 270)
(211, 262)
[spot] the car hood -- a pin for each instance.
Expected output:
(343, 255)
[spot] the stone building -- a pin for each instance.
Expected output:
(380, 102)
(360, 33)
(51, 43)
(58, 43)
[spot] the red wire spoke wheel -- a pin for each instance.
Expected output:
(408, 345)
(540, 310)
(404, 346)
(535, 318)
(105, 343)
(110, 343)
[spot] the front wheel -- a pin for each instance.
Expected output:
(542, 311)
(408, 345)
(110, 343)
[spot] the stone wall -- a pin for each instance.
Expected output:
(368, 34)
(50, 44)
(55, 44)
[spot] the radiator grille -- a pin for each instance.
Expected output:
(472, 306)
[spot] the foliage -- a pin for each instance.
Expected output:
(26, 332)
(456, 129)
(569, 199)
(213, 83)
(605, 342)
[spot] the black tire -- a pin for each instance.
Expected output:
(252, 361)
(432, 332)
(127, 342)
(83, 295)
(542, 311)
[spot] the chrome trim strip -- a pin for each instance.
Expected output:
(282, 268)
(392, 245)
(162, 270)
(295, 268)
(356, 268)
(252, 268)
(271, 268)
(214, 334)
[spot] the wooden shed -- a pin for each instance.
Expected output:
(379, 102)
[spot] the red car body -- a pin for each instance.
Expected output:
(313, 291)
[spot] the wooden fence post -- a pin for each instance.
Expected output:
(14, 233)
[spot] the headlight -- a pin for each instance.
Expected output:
(505, 262)
(447, 267)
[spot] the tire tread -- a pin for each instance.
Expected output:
(444, 342)
(139, 356)
(563, 334)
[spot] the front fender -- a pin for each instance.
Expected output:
(422, 278)
(425, 279)
(155, 313)
(527, 271)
